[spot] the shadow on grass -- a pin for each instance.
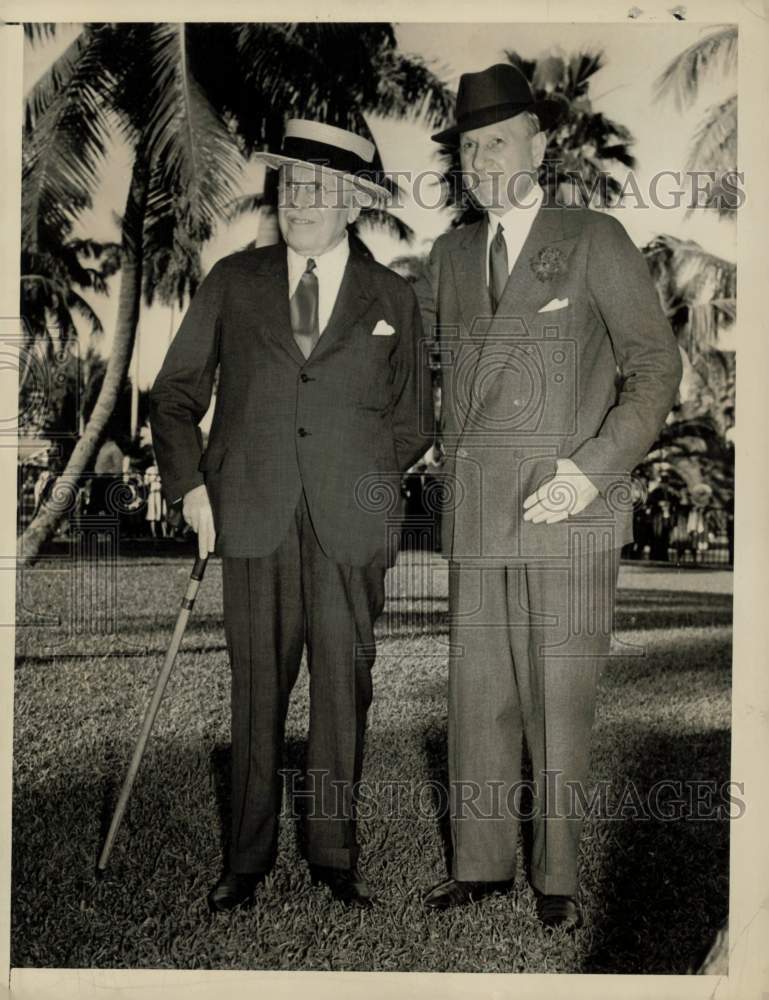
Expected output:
(653, 891)
(660, 609)
(46, 659)
(435, 751)
(663, 887)
(137, 635)
(221, 778)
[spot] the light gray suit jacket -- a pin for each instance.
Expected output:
(592, 378)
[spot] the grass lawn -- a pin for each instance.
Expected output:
(654, 891)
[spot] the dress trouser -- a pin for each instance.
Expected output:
(272, 607)
(528, 644)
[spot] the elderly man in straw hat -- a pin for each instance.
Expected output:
(559, 369)
(320, 407)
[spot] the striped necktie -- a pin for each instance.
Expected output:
(304, 310)
(498, 269)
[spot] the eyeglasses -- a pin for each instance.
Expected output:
(329, 192)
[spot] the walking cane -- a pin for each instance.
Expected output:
(188, 602)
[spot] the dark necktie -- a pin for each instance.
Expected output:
(304, 310)
(498, 269)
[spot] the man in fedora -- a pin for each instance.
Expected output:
(558, 370)
(320, 406)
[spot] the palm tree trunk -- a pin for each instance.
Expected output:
(135, 389)
(62, 496)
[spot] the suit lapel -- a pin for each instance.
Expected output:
(275, 315)
(354, 298)
(468, 263)
(352, 301)
(524, 292)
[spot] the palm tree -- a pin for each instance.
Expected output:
(714, 146)
(338, 73)
(587, 145)
(582, 150)
(191, 101)
(697, 291)
(139, 79)
(53, 278)
(691, 455)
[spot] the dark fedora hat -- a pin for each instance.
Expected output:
(494, 94)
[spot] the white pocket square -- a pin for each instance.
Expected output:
(554, 304)
(383, 329)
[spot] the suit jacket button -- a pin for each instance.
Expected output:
(302, 432)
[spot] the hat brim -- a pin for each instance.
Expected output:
(277, 160)
(548, 111)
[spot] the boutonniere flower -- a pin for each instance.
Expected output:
(548, 263)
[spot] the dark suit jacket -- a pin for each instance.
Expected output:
(591, 379)
(342, 425)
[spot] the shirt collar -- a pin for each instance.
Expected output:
(517, 216)
(335, 258)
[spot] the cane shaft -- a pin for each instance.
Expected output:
(188, 602)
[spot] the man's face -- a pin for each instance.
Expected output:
(314, 208)
(499, 162)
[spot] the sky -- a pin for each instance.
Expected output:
(635, 54)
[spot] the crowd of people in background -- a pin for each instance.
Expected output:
(123, 487)
(669, 527)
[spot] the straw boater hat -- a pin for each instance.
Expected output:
(494, 94)
(335, 149)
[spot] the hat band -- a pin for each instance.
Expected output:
(491, 114)
(323, 154)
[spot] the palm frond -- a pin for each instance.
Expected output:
(618, 152)
(41, 295)
(77, 303)
(172, 240)
(107, 254)
(246, 204)
(697, 290)
(336, 73)
(409, 88)
(321, 73)
(186, 138)
(39, 31)
(65, 138)
(527, 66)
(581, 68)
(683, 75)
(714, 148)
(382, 220)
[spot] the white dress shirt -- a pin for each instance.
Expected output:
(517, 222)
(329, 269)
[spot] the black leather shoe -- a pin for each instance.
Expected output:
(558, 911)
(346, 884)
(452, 892)
(233, 889)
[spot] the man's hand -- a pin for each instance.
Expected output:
(567, 493)
(434, 457)
(197, 512)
